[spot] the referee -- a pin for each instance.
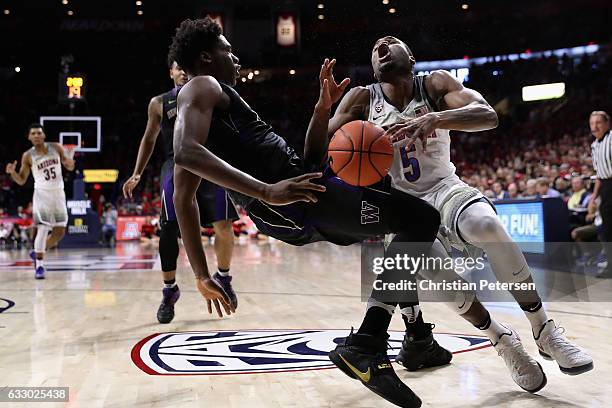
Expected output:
(601, 149)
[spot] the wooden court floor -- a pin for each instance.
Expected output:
(91, 326)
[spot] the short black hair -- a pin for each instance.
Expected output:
(191, 38)
(35, 126)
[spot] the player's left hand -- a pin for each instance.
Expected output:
(130, 185)
(330, 91)
(214, 294)
(405, 134)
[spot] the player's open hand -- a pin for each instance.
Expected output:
(330, 91)
(214, 294)
(11, 167)
(405, 134)
(294, 189)
(130, 185)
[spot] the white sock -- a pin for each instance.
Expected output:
(170, 285)
(223, 273)
(39, 263)
(493, 329)
(411, 313)
(537, 317)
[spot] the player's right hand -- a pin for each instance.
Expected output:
(11, 167)
(293, 190)
(214, 294)
(330, 91)
(130, 185)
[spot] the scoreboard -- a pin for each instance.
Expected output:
(72, 87)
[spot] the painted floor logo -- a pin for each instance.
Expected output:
(259, 351)
(6, 304)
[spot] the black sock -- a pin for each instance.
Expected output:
(485, 324)
(418, 329)
(376, 322)
(532, 307)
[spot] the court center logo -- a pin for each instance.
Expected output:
(259, 351)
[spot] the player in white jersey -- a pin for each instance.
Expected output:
(45, 161)
(418, 112)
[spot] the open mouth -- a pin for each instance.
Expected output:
(384, 53)
(237, 70)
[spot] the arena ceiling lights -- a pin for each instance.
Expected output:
(544, 91)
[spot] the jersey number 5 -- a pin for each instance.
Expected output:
(412, 171)
(50, 174)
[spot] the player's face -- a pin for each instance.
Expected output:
(390, 58)
(224, 64)
(36, 136)
(178, 75)
(599, 125)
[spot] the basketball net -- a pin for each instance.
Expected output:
(69, 149)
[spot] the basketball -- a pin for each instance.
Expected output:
(358, 153)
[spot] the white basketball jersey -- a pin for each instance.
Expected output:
(413, 170)
(47, 169)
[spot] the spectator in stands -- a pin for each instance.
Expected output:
(513, 191)
(146, 205)
(579, 200)
(530, 189)
(578, 203)
(500, 194)
(109, 224)
(563, 187)
(543, 188)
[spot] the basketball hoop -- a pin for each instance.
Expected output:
(69, 149)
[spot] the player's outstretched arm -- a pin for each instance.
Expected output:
(321, 127)
(196, 103)
(147, 144)
(188, 216)
(24, 172)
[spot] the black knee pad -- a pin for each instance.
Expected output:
(168, 245)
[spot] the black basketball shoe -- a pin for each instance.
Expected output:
(423, 352)
(364, 358)
(226, 284)
(165, 313)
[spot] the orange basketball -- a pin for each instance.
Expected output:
(359, 155)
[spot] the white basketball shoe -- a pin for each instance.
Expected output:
(553, 345)
(526, 372)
